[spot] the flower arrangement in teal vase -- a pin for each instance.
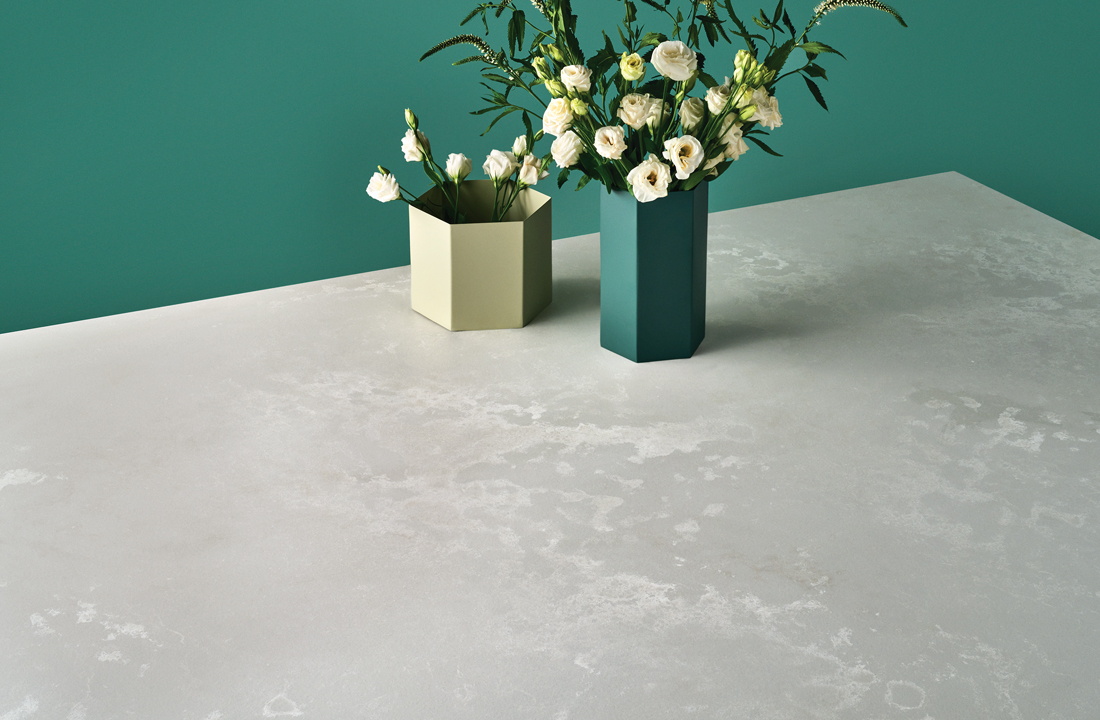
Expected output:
(625, 115)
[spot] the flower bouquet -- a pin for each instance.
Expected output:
(479, 249)
(625, 116)
(511, 173)
(616, 123)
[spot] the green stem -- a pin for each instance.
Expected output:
(813, 21)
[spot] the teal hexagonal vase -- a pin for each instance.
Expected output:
(653, 274)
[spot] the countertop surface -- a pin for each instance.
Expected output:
(874, 492)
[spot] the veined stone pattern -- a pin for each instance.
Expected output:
(873, 492)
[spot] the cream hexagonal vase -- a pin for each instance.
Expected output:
(481, 275)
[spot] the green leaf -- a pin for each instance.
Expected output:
(741, 26)
(654, 4)
(631, 13)
(563, 176)
(530, 131)
(468, 18)
(709, 29)
(817, 48)
(496, 96)
(622, 37)
(693, 35)
(602, 61)
(537, 40)
(521, 27)
(778, 57)
(565, 22)
(762, 144)
(707, 80)
(500, 117)
(816, 91)
(613, 108)
(583, 181)
(721, 168)
(653, 88)
(605, 174)
(651, 38)
(778, 14)
(815, 71)
(499, 78)
(762, 23)
(694, 179)
(789, 25)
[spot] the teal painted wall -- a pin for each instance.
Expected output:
(156, 153)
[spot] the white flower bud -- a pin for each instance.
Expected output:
(458, 166)
(632, 66)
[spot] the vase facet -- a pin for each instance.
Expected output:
(653, 274)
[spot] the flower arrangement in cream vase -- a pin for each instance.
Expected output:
(479, 249)
(648, 119)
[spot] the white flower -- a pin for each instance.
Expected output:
(567, 149)
(383, 187)
(674, 60)
(731, 135)
(610, 142)
(685, 153)
(650, 179)
(632, 66)
(458, 166)
(691, 113)
(717, 97)
(529, 170)
(712, 165)
(500, 164)
(519, 147)
(767, 109)
(576, 77)
(414, 145)
(658, 112)
(634, 109)
(558, 117)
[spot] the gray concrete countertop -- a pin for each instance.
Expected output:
(873, 493)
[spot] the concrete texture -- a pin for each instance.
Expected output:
(873, 493)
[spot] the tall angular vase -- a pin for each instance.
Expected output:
(653, 274)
